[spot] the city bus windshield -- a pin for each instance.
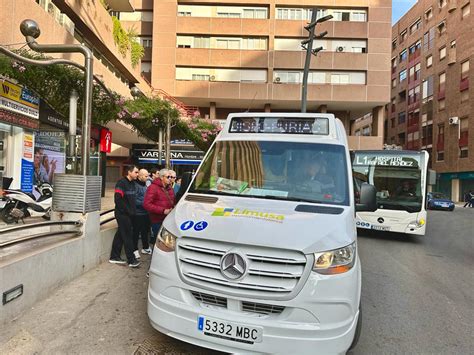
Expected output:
(305, 172)
(396, 176)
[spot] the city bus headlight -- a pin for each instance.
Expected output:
(417, 224)
(334, 262)
(166, 241)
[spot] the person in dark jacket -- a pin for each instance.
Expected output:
(159, 201)
(125, 209)
(141, 221)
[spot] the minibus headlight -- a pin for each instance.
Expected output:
(166, 241)
(335, 261)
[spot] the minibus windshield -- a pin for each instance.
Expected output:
(306, 172)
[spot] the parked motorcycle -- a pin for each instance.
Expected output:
(22, 204)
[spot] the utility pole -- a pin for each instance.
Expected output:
(308, 45)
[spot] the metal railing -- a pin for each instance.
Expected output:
(76, 232)
(108, 219)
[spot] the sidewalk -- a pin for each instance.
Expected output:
(101, 312)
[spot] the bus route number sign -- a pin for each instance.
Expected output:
(381, 160)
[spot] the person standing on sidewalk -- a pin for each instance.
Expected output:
(159, 201)
(154, 174)
(125, 209)
(141, 221)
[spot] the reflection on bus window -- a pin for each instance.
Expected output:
(282, 170)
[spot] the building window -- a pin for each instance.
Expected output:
(146, 42)
(429, 14)
(394, 83)
(442, 53)
(184, 13)
(429, 61)
(464, 152)
(403, 56)
(227, 44)
(366, 131)
(464, 96)
(465, 70)
(428, 39)
(466, 10)
(440, 156)
(401, 138)
(428, 89)
(394, 44)
(442, 3)
(441, 104)
(403, 75)
(442, 28)
(442, 82)
(200, 77)
(401, 117)
(255, 13)
(403, 35)
(415, 26)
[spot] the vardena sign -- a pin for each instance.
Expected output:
(177, 156)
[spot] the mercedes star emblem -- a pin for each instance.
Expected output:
(233, 266)
(380, 220)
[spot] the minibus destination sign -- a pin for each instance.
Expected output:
(386, 160)
(280, 125)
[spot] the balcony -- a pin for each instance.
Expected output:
(224, 26)
(464, 84)
(464, 139)
(225, 58)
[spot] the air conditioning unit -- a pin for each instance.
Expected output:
(277, 79)
(453, 121)
(340, 49)
(212, 78)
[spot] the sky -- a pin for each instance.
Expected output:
(400, 7)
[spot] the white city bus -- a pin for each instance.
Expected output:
(400, 178)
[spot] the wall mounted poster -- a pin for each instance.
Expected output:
(49, 156)
(27, 169)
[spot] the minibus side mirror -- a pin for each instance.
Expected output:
(368, 198)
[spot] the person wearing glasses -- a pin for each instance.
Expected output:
(159, 201)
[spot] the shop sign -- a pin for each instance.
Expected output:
(27, 166)
(178, 157)
(19, 94)
(105, 140)
(14, 106)
(18, 120)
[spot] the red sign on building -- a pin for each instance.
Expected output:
(105, 140)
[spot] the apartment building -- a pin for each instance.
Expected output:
(233, 56)
(431, 104)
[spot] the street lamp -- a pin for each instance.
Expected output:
(308, 45)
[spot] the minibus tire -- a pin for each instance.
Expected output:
(358, 330)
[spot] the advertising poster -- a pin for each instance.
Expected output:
(27, 167)
(49, 156)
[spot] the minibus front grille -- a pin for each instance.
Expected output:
(210, 299)
(261, 308)
(270, 272)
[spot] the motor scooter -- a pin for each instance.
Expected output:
(22, 204)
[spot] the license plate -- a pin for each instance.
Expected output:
(444, 205)
(230, 331)
(381, 228)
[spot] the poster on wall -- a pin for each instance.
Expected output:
(27, 167)
(49, 156)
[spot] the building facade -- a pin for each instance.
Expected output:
(27, 125)
(431, 103)
(232, 56)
